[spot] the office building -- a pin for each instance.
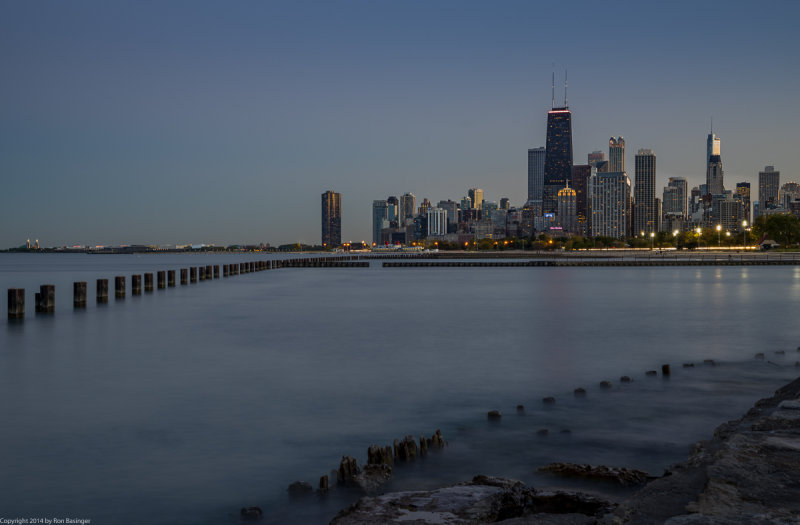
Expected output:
(476, 196)
(505, 203)
(558, 156)
(580, 183)
(616, 154)
(424, 207)
(645, 218)
(380, 219)
(713, 146)
(408, 203)
(788, 193)
(535, 173)
(393, 211)
(769, 181)
(714, 176)
(331, 219)
(743, 193)
(610, 204)
(567, 216)
(437, 221)
(451, 207)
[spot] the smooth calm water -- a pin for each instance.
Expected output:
(185, 404)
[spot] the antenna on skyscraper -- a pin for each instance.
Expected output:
(566, 105)
(712, 125)
(553, 101)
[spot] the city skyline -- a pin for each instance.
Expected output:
(223, 124)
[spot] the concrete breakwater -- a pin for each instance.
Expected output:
(746, 473)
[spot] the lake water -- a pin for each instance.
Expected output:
(185, 404)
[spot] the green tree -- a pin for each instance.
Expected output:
(782, 228)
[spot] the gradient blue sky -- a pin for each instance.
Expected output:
(223, 122)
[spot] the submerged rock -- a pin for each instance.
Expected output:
(482, 500)
(373, 477)
(300, 488)
(621, 475)
(494, 415)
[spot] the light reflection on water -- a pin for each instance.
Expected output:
(183, 405)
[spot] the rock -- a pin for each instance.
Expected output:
(373, 477)
(251, 513)
(565, 432)
(550, 400)
(494, 415)
(405, 450)
(759, 355)
(651, 373)
(520, 409)
(580, 392)
(480, 501)
(323, 484)
(542, 432)
(625, 379)
(348, 470)
(300, 488)
(688, 365)
(605, 384)
(621, 475)
(377, 455)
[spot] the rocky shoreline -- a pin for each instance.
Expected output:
(748, 472)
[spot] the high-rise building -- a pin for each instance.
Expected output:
(505, 203)
(616, 154)
(535, 173)
(580, 183)
(437, 222)
(558, 156)
(610, 204)
(644, 209)
(331, 219)
(424, 207)
(380, 219)
(769, 181)
(408, 203)
(594, 157)
(743, 191)
(714, 176)
(451, 207)
(393, 211)
(713, 146)
(682, 185)
(788, 193)
(476, 194)
(567, 216)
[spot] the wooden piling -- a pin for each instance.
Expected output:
(171, 278)
(102, 290)
(79, 294)
(16, 303)
(665, 370)
(224, 270)
(209, 272)
(46, 302)
(216, 271)
(148, 282)
(201, 273)
(136, 284)
(119, 286)
(161, 277)
(193, 274)
(184, 276)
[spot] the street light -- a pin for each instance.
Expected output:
(744, 233)
(719, 235)
(652, 239)
(675, 238)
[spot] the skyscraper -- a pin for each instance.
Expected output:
(580, 183)
(644, 197)
(616, 154)
(610, 202)
(713, 146)
(476, 194)
(380, 219)
(743, 191)
(437, 221)
(567, 216)
(331, 219)
(769, 181)
(594, 157)
(679, 205)
(408, 203)
(558, 156)
(393, 211)
(714, 176)
(535, 173)
(451, 207)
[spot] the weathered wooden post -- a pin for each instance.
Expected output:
(46, 299)
(119, 286)
(171, 278)
(224, 270)
(102, 290)
(193, 274)
(216, 271)
(79, 294)
(161, 276)
(665, 370)
(209, 272)
(16, 303)
(252, 266)
(184, 276)
(201, 273)
(136, 284)
(148, 282)
(242, 268)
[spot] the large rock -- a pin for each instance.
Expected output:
(482, 500)
(373, 477)
(621, 475)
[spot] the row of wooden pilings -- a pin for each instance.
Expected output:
(45, 298)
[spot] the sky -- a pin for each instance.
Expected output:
(174, 122)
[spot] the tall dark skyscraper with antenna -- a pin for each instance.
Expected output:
(558, 152)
